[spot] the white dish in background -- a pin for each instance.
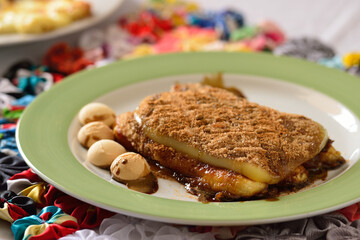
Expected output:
(101, 10)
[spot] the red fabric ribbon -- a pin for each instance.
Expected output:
(351, 212)
(57, 231)
(28, 174)
(87, 215)
(16, 212)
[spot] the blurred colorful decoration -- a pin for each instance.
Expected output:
(305, 48)
(351, 60)
(334, 62)
(352, 63)
(147, 26)
(63, 59)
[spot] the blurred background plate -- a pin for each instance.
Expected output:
(100, 12)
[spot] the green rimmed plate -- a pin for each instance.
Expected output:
(47, 129)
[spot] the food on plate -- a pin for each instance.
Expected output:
(97, 112)
(129, 166)
(133, 170)
(223, 147)
(39, 16)
(93, 132)
(103, 152)
(217, 80)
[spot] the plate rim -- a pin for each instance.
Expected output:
(152, 62)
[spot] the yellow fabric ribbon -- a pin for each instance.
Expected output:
(4, 213)
(36, 192)
(34, 230)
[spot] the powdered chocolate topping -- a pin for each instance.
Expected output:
(206, 177)
(223, 125)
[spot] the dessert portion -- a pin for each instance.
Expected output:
(97, 136)
(220, 129)
(99, 112)
(103, 152)
(217, 80)
(219, 144)
(93, 132)
(129, 166)
(133, 170)
(39, 16)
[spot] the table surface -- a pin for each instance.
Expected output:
(334, 22)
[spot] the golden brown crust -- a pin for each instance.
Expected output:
(223, 125)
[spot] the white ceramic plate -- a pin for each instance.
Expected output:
(328, 96)
(342, 125)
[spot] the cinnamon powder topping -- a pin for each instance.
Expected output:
(223, 125)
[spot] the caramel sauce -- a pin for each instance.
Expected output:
(147, 184)
(272, 199)
(161, 171)
(192, 184)
(120, 138)
(316, 170)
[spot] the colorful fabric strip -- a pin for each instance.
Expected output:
(50, 223)
(26, 203)
(10, 212)
(36, 192)
(27, 174)
(87, 215)
(4, 213)
(30, 185)
(9, 166)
